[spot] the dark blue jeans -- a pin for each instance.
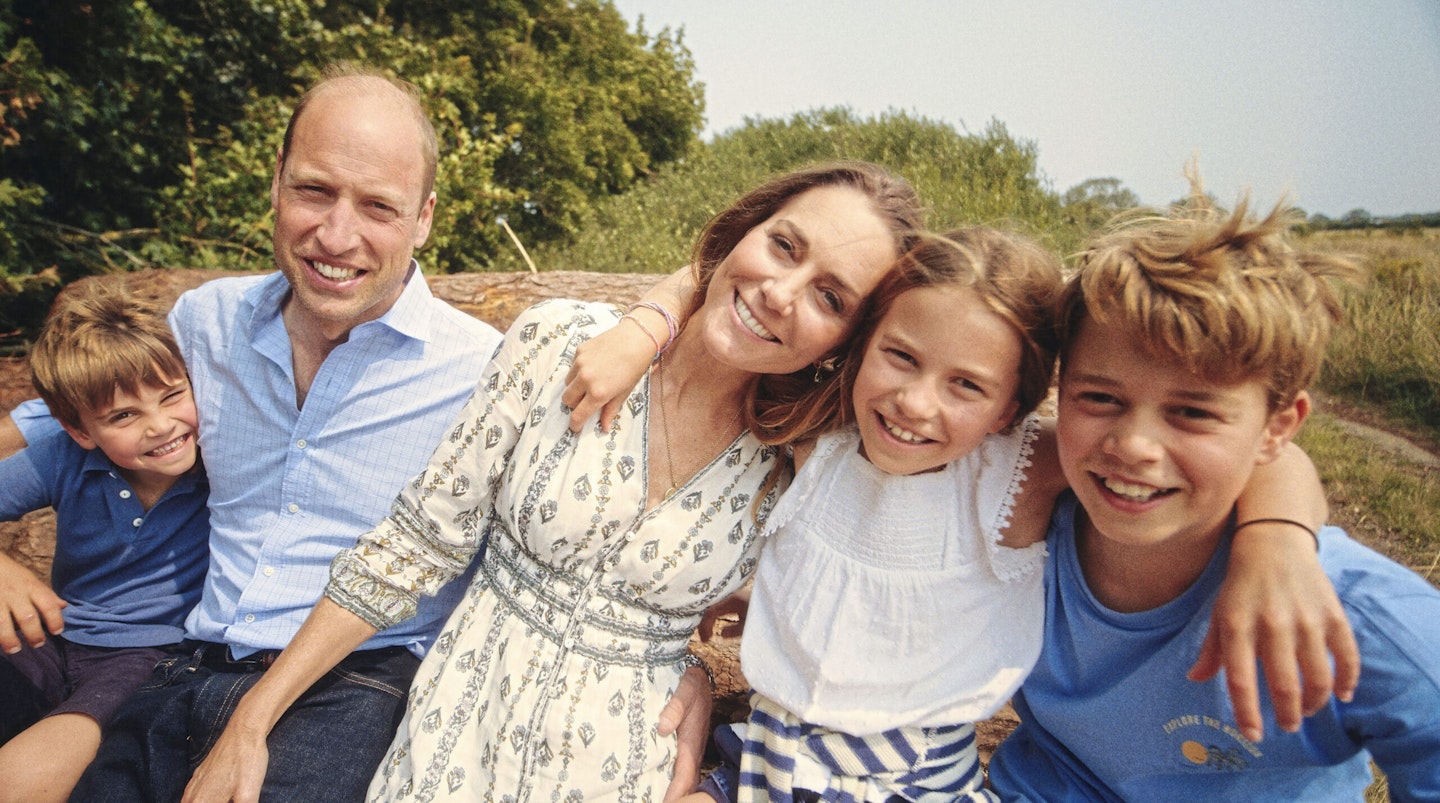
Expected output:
(325, 748)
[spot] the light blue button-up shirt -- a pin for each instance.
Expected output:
(289, 488)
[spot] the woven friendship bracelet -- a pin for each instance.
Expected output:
(1304, 527)
(670, 323)
(653, 339)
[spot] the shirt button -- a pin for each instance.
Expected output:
(269, 571)
(294, 508)
(249, 617)
(300, 444)
(137, 522)
(125, 494)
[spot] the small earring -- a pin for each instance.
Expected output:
(823, 367)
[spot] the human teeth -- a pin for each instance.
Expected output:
(747, 318)
(1131, 491)
(165, 449)
(332, 272)
(902, 434)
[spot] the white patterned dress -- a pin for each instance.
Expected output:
(549, 677)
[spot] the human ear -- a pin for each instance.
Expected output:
(427, 216)
(1282, 426)
(80, 436)
(275, 180)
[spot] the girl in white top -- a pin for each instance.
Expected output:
(898, 600)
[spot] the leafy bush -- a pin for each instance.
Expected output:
(964, 178)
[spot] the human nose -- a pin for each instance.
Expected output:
(338, 229)
(158, 423)
(781, 290)
(915, 399)
(1132, 441)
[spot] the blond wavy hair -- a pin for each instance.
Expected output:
(1225, 295)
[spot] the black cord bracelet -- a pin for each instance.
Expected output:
(1301, 525)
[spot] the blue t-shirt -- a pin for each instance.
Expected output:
(130, 575)
(1108, 713)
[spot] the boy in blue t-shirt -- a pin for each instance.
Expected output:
(131, 535)
(1189, 342)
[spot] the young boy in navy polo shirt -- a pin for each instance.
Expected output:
(1189, 342)
(132, 528)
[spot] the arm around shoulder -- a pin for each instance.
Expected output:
(1044, 482)
(1277, 603)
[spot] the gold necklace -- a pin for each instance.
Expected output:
(665, 427)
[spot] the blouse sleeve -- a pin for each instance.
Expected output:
(437, 522)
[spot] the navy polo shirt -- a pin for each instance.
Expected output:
(130, 575)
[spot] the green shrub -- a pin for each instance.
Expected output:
(964, 178)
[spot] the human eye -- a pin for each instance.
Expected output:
(833, 301)
(176, 395)
(898, 356)
(782, 244)
(1095, 400)
(967, 385)
(384, 210)
(119, 417)
(1193, 414)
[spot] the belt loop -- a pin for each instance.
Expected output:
(197, 658)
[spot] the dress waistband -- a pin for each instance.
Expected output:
(583, 613)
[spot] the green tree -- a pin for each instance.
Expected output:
(143, 133)
(1091, 203)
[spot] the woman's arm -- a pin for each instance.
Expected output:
(1277, 604)
(235, 767)
(608, 366)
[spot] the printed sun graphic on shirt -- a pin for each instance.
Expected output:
(1207, 743)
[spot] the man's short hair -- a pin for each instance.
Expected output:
(363, 78)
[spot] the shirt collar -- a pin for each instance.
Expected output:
(408, 317)
(97, 461)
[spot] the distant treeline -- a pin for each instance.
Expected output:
(1360, 219)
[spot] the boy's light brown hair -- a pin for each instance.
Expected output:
(1222, 294)
(98, 339)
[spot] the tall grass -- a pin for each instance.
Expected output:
(1388, 354)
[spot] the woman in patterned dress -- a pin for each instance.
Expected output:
(594, 553)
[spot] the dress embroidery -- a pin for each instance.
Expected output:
(549, 677)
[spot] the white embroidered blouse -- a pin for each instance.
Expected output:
(886, 601)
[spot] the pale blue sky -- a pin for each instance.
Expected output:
(1337, 103)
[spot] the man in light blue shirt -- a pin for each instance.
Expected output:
(321, 389)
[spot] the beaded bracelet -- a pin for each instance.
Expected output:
(1301, 525)
(670, 323)
(690, 659)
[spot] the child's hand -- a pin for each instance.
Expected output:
(726, 618)
(606, 368)
(1277, 604)
(28, 608)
